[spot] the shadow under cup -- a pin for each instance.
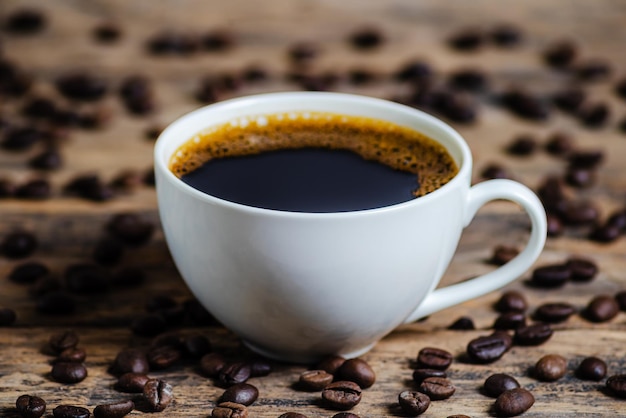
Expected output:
(297, 286)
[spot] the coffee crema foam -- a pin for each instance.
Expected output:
(396, 146)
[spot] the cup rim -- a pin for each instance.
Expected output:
(161, 160)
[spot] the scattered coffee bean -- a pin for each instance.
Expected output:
(580, 177)
(591, 368)
(314, 380)
(28, 272)
(419, 375)
(506, 35)
(233, 373)
(19, 244)
(569, 100)
(470, 79)
(108, 251)
(617, 385)
(434, 358)
(511, 300)
(437, 388)
(229, 410)
(582, 269)
(513, 402)
(260, 367)
(560, 54)
(534, 334)
(62, 341)
(130, 360)
(66, 372)
(554, 312)
(595, 115)
(464, 323)
(107, 32)
(114, 410)
(559, 143)
(158, 394)
(21, 138)
(502, 254)
(345, 415)
(366, 38)
(172, 43)
(197, 345)
(81, 86)
(128, 276)
(72, 355)
(413, 403)
(487, 349)
(550, 367)
(555, 226)
(163, 357)
(593, 70)
(620, 298)
(7, 317)
(358, 371)
(24, 21)
(132, 382)
(495, 171)
(579, 213)
(586, 159)
(148, 325)
(39, 108)
(292, 415)
(241, 393)
(551, 276)
(7, 189)
(467, 39)
(523, 145)
(218, 40)
(605, 233)
(498, 383)
(526, 105)
(85, 278)
(414, 70)
(56, 302)
(303, 53)
(30, 406)
(212, 364)
(601, 308)
(70, 411)
(49, 159)
(510, 320)
(130, 228)
(342, 395)
(36, 189)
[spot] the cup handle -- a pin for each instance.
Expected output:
(479, 195)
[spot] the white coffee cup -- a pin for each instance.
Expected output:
(298, 286)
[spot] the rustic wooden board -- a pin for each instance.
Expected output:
(68, 228)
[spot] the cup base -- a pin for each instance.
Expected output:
(303, 358)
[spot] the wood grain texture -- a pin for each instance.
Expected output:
(68, 228)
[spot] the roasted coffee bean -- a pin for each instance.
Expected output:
(218, 40)
(601, 308)
(330, 364)
(127, 180)
(580, 177)
(292, 415)
(458, 416)
(591, 368)
(241, 393)
(25, 21)
(593, 70)
(513, 402)
(413, 403)
(212, 364)
(303, 52)
(7, 317)
(550, 367)
(434, 358)
(30, 406)
(569, 100)
(233, 373)
(468, 79)
(467, 39)
(49, 159)
(7, 189)
(414, 70)
(577, 213)
(358, 371)
(502, 254)
(148, 325)
(108, 251)
(582, 269)
(260, 367)
(128, 276)
(131, 382)
(172, 43)
(617, 219)
(314, 380)
(130, 360)
(559, 143)
(594, 115)
(70, 411)
(20, 138)
(522, 145)
(72, 355)
(498, 383)
(534, 334)
(511, 300)
(437, 388)
(552, 195)
(62, 341)
(419, 375)
(555, 226)
(28, 272)
(39, 108)
(457, 107)
(342, 395)
(56, 302)
(366, 38)
(163, 357)
(551, 276)
(229, 410)
(19, 244)
(158, 394)
(90, 187)
(605, 233)
(196, 345)
(495, 171)
(487, 349)
(107, 32)
(85, 278)
(81, 86)
(620, 298)
(586, 159)
(560, 54)
(617, 385)
(506, 35)
(622, 125)
(510, 320)
(130, 228)
(554, 312)
(526, 105)
(66, 372)
(36, 189)
(345, 415)
(464, 323)
(114, 410)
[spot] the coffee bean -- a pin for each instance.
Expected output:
(495, 171)
(419, 375)
(569, 100)
(591, 368)
(30, 406)
(559, 144)
(130, 228)
(550, 367)
(342, 395)
(158, 394)
(457, 107)
(605, 233)
(510, 320)
(580, 177)
(437, 388)
(577, 213)
(617, 385)
(470, 79)
(130, 360)
(107, 32)
(434, 358)
(212, 364)
(85, 278)
(358, 371)
(108, 251)
(229, 410)
(592, 70)
(551, 276)
(552, 195)
(467, 39)
(81, 86)
(314, 380)
(526, 105)
(7, 189)
(292, 415)
(502, 254)
(28, 272)
(24, 21)
(511, 300)
(218, 40)
(413, 403)
(464, 323)
(414, 70)
(14, 82)
(366, 38)
(131, 382)
(513, 402)
(534, 334)
(523, 145)
(63, 340)
(196, 345)
(498, 383)
(620, 298)
(330, 364)
(506, 35)
(19, 244)
(65, 372)
(72, 355)
(241, 393)
(36, 189)
(617, 219)
(582, 269)
(458, 416)
(55, 302)
(172, 43)
(586, 159)
(487, 349)
(127, 180)
(554, 312)
(555, 226)
(163, 357)
(601, 308)
(302, 52)
(20, 138)
(345, 415)
(49, 159)
(39, 108)
(70, 411)
(233, 373)
(260, 367)
(594, 115)
(7, 317)
(148, 325)
(560, 54)
(128, 276)
(114, 410)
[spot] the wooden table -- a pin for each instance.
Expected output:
(68, 227)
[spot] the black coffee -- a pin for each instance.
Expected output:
(313, 162)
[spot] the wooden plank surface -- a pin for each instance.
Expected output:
(68, 228)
